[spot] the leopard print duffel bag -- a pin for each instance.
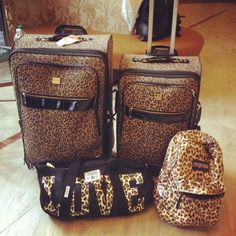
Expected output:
(190, 189)
(102, 187)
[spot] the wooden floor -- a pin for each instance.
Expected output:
(20, 212)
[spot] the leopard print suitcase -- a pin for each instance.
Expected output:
(63, 97)
(157, 97)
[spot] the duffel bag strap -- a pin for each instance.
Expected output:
(67, 188)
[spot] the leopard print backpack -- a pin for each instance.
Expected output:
(189, 190)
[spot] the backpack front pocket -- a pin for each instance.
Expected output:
(197, 209)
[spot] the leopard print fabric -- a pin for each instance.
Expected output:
(147, 141)
(51, 138)
(84, 199)
(75, 81)
(193, 65)
(105, 202)
(189, 189)
(90, 42)
(52, 208)
(157, 98)
(140, 141)
(130, 192)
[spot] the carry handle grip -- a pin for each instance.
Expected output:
(161, 59)
(68, 186)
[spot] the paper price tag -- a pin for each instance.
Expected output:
(66, 41)
(69, 40)
(91, 176)
(67, 191)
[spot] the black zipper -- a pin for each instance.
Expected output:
(64, 52)
(202, 197)
(55, 97)
(158, 116)
(159, 73)
(55, 65)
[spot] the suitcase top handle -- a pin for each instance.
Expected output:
(160, 59)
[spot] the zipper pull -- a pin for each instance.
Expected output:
(130, 112)
(179, 201)
(194, 93)
(24, 98)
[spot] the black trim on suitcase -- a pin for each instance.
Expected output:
(57, 103)
(160, 117)
(156, 73)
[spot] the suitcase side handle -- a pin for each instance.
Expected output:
(160, 59)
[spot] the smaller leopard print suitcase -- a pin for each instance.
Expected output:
(157, 97)
(190, 189)
(63, 96)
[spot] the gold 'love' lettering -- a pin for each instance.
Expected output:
(51, 207)
(130, 192)
(105, 201)
(80, 207)
(84, 206)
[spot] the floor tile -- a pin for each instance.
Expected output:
(4, 72)
(6, 93)
(8, 120)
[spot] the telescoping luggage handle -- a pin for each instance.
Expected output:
(173, 27)
(161, 59)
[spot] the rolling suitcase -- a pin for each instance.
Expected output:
(157, 97)
(63, 97)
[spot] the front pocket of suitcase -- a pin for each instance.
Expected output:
(60, 134)
(60, 80)
(152, 114)
(60, 121)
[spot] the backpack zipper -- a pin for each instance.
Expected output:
(197, 196)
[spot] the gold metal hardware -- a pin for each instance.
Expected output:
(56, 80)
(157, 97)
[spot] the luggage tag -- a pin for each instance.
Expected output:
(91, 176)
(71, 39)
(68, 40)
(50, 165)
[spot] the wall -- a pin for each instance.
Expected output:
(27, 13)
(99, 15)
